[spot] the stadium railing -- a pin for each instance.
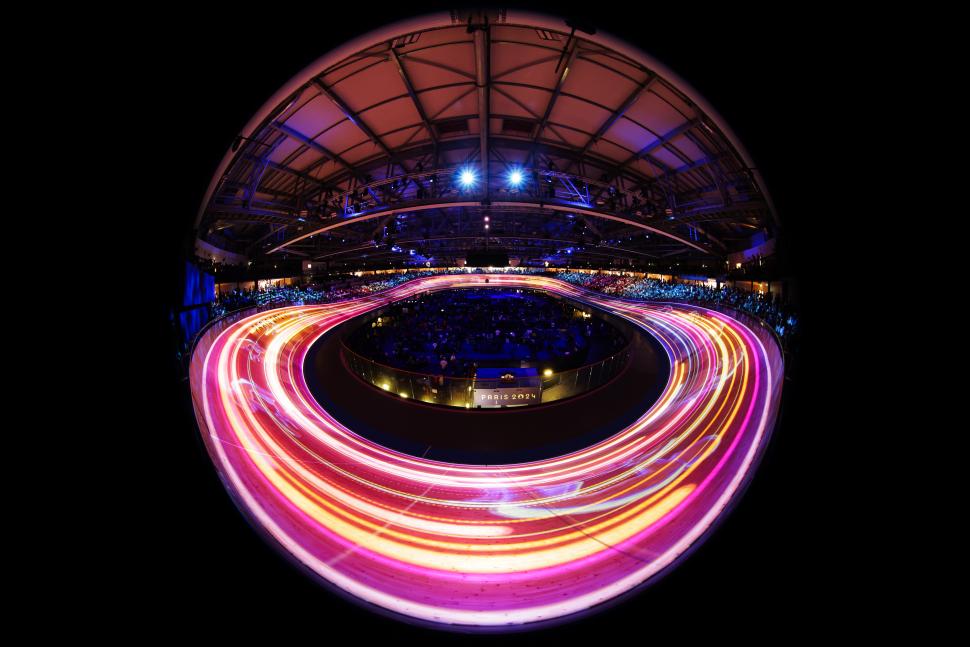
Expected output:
(475, 392)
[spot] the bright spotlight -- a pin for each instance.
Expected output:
(467, 178)
(547, 372)
(515, 178)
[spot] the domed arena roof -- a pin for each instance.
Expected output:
(435, 137)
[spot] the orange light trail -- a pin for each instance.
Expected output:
(477, 545)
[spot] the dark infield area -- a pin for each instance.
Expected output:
(486, 436)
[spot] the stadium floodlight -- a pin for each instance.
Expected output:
(467, 178)
(515, 178)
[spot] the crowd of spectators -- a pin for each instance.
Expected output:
(310, 295)
(767, 308)
(606, 283)
(303, 295)
(455, 332)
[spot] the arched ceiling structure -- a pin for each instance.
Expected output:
(363, 153)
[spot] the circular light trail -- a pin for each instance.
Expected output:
(485, 546)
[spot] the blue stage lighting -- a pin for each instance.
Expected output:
(467, 178)
(515, 178)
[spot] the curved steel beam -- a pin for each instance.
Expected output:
(413, 241)
(557, 205)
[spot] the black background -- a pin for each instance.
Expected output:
(190, 554)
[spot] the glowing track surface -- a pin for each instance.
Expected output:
(485, 545)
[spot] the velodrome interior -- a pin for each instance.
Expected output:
(483, 324)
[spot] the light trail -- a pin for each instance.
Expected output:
(481, 545)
